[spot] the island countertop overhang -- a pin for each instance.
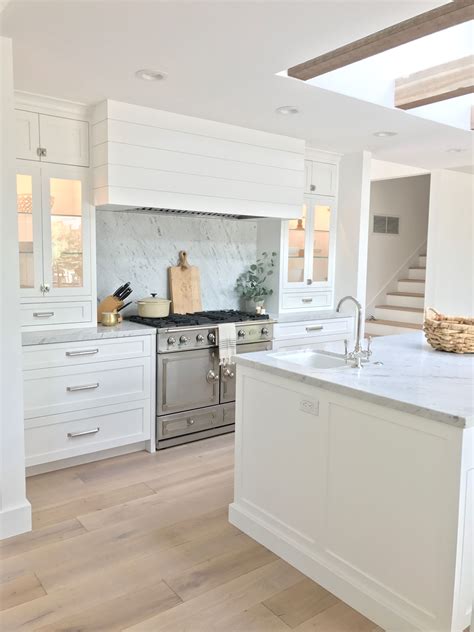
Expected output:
(413, 378)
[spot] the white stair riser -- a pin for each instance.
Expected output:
(422, 261)
(372, 328)
(417, 273)
(403, 286)
(399, 315)
(405, 301)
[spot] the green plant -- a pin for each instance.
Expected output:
(251, 284)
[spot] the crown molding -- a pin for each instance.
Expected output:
(50, 105)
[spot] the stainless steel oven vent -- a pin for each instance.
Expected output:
(183, 213)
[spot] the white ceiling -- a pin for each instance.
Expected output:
(222, 58)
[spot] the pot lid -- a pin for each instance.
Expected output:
(153, 299)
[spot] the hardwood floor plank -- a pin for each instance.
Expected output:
(119, 613)
(39, 538)
(256, 619)
(339, 618)
(19, 590)
(300, 602)
(161, 509)
(218, 570)
(212, 610)
(87, 504)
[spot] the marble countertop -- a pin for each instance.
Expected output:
(123, 330)
(414, 378)
(293, 318)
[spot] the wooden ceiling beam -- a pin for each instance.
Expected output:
(445, 81)
(423, 24)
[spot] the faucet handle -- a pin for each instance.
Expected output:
(346, 349)
(369, 342)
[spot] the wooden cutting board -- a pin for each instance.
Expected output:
(185, 287)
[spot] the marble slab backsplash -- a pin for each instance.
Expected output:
(139, 247)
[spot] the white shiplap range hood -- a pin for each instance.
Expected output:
(148, 160)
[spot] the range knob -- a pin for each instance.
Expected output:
(199, 338)
(171, 340)
(211, 337)
(264, 331)
(184, 340)
(241, 333)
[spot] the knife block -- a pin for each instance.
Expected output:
(109, 304)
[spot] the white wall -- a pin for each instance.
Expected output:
(385, 170)
(353, 225)
(408, 199)
(15, 510)
(450, 255)
(221, 248)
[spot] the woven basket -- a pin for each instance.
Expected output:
(449, 333)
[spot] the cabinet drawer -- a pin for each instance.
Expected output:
(306, 300)
(71, 434)
(187, 423)
(54, 391)
(308, 329)
(85, 352)
(41, 314)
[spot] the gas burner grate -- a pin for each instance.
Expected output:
(213, 317)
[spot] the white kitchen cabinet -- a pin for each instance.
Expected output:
(87, 396)
(46, 138)
(56, 242)
(324, 334)
(320, 178)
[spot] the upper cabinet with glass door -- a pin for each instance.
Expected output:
(54, 231)
(308, 250)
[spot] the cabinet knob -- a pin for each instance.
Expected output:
(309, 281)
(312, 187)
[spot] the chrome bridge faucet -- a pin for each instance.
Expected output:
(359, 354)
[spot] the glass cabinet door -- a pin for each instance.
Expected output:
(28, 206)
(65, 231)
(321, 242)
(297, 248)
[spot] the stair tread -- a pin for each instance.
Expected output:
(393, 323)
(408, 294)
(401, 308)
(411, 280)
(417, 268)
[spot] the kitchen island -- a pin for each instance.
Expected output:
(363, 479)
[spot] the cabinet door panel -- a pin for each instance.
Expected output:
(27, 135)
(66, 231)
(323, 178)
(28, 201)
(66, 141)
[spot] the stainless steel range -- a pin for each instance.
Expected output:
(195, 397)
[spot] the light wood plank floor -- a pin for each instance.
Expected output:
(141, 542)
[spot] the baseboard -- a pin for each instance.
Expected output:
(100, 455)
(391, 619)
(15, 520)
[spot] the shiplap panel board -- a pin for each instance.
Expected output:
(169, 181)
(165, 160)
(151, 117)
(119, 198)
(175, 140)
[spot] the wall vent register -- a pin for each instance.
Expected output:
(386, 224)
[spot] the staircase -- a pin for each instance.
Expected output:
(402, 311)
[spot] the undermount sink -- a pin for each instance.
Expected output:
(311, 359)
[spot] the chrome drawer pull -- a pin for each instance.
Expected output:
(85, 387)
(43, 314)
(315, 328)
(82, 353)
(190, 422)
(82, 433)
(306, 300)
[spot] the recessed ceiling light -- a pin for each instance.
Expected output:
(287, 109)
(455, 150)
(150, 75)
(384, 134)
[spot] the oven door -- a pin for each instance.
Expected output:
(187, 380)
(228, 373)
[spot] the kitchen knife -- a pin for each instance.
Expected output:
(125, 294)
(118, 291)
(124, 306)
(123, 289)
